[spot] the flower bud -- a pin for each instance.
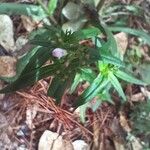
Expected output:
(59, 52)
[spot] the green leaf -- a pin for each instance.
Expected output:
(39, 58)
(36, 12)
(75, 83)
(82, 114)
(30, 78)
(111, 45)
(92, 87)
(101, 87)
(32, 60)
(88, 33)
(127, 77)
(87, 75)
(96, 105)
(57, 89)
(52, 6)
(105, 95)
(94, 55)
(44, 36)
(110, 59)
(21, 64)
(143, 35)
(114, 81)
(98, 84)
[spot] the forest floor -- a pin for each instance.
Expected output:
(31, 120)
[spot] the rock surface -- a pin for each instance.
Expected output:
(6, 33)
(53, 141)
(80, 145)
(7, 66)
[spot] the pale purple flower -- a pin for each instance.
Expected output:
(59, 52)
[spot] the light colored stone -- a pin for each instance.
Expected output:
(7, 66)
(72, 11)
(6, 33)
(53, 141)
(30, 24)
(20, 42)
(80, 145)
(73, 25)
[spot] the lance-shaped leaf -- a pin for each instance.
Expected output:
(34, 11)
(87, 33)
(127, 77)
(82, 110)
(52, 6)
(75, 83)
(110, 59)
(94, 55)
(57, 88)
(143, 35)
(44, 36)
(21, 64)
(98, 84)
(101, 87)
(32, 60)
(108, 52)
(114, 81)
(39, 58)
(92, 87)
(110, 45)
(85, 74)
(30, 78)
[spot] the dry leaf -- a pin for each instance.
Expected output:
(29, 24)
(137, 97)
(119, 146)
(124, 122)
(30, 115)
(122, 42)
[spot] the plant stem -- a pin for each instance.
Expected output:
(43, 6)
(100, 4)
(51, 18)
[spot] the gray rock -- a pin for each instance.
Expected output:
(53, 141)
(6, 33)
(80, 145)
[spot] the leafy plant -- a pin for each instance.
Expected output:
(34, 11)
(72, 62)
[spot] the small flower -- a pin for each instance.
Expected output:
(59, 52)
